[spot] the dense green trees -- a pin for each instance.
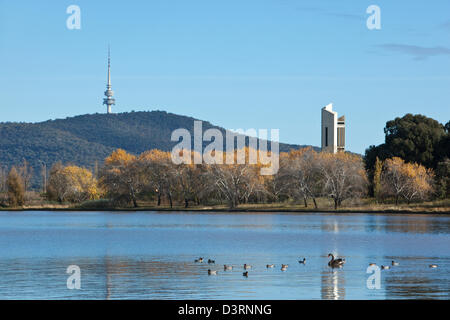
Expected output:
(415, 139)
(443, 179)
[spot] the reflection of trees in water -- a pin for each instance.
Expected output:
(332, 285)
(141, 277)
(416, 224)
(403, 223)
(410, 286)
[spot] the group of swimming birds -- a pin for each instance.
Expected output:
(333, 263)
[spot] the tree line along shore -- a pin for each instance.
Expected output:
(410, 172)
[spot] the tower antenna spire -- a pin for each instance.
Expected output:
(109, 66)
(109, 100)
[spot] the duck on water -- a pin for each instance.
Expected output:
(335, 263)
(212, 272)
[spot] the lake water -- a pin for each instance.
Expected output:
(149, 255)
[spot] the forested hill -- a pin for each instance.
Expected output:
(85, 139)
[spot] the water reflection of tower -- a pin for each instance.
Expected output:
(109, 269)
(330, 225)
(332, 285)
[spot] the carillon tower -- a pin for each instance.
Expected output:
(109, 100)
(333, 130)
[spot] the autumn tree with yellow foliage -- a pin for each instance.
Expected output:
(410, 181)
(16, 188)
(304, 174)
(122, 177)
(72, 184)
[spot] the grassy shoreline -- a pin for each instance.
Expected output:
(367, 206)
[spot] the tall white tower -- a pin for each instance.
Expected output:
(333, 130)
(109, 100)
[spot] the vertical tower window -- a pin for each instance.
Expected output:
(326, 136)
(341, 137)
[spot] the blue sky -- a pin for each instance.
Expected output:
(238, 64)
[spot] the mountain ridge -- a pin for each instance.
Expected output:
(86, 139)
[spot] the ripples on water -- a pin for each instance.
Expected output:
(148, 255)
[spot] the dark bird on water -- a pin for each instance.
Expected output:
(335, 263)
